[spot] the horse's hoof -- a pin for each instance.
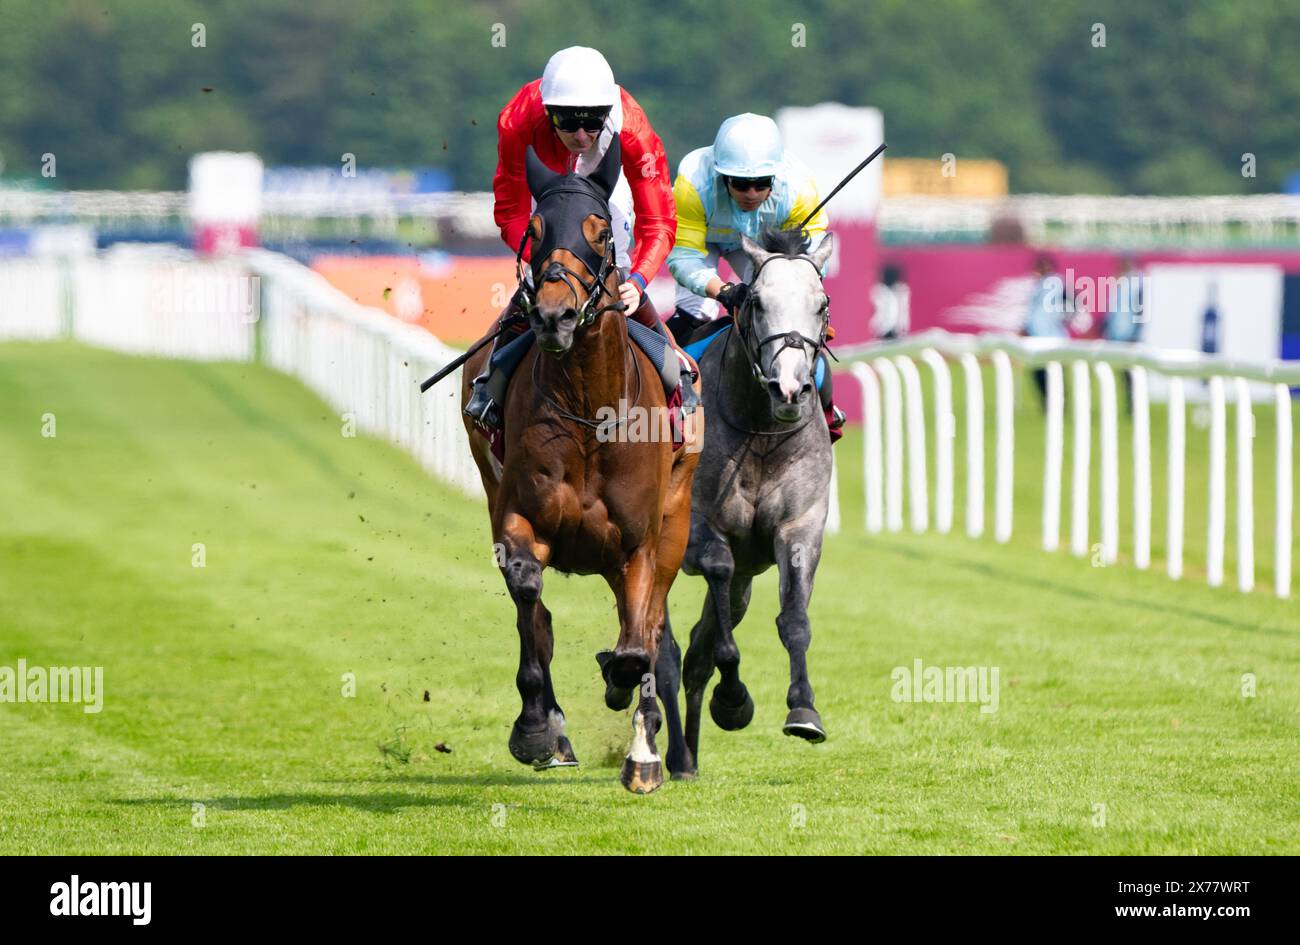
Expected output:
(731, 718)
(641, 777)
(627, 669)
(533, 748)
(681, 766)
(563, 757)
(805, 723)
(616, 698)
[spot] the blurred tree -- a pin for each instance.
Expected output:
(1170, 104)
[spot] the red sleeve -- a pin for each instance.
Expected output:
(510, 186)
(646, 167)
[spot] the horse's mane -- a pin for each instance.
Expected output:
(785, 242)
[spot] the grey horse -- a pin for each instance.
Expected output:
(760, 496)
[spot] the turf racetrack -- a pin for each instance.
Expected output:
(328, 555)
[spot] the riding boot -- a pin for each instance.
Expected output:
(487, 392)
(647, 315)
(834, 415)
(684, 325)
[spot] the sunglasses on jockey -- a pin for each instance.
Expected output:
(745, 184)
(570, 119)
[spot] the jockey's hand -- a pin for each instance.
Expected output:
(629, 293)
(733, 296)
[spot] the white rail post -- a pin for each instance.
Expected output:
(1052, 461)
(1141, 470)
(1282, 539)
(1218, 473)
(893, 402)
(918, 499)
(1006, 435)
(974, 445)
(1109, 462)
(945, 430)
(872, 473)
(1082, 391)
(1177, 458)
(1245, 488)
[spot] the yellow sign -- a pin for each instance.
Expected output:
(949, 176)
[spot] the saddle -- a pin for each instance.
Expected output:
(673, 371)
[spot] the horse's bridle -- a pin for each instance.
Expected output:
(789, 339)
(792, 339)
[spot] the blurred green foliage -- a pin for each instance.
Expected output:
(117, 90)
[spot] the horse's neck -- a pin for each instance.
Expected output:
(593, 374)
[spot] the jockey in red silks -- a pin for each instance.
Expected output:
(570, 116)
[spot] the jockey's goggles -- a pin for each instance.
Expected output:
(570, 119)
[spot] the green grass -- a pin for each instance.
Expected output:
(328, 555)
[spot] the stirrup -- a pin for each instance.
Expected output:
(481, 407)
(835, 422)
(690, 397)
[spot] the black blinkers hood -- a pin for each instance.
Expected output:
(565, 200)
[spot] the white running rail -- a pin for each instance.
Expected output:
(258, 306)
(891, 390)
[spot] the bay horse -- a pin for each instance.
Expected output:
(569, 495)
(761, 492)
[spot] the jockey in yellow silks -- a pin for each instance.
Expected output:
(745, 182)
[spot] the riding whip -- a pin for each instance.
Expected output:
(425, 385)
(840, 186)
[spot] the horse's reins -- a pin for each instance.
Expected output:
(593, 424)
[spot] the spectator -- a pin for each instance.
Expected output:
(1046, 318)
(1124, 317)
(892, 301)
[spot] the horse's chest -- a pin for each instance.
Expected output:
(589, 521)
(744, 500)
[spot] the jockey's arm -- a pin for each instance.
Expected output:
(645, 165)
(689, 260)
(513, 201)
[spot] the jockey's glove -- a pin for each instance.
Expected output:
(732, 296)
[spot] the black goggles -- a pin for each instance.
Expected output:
(571, 120)
(746, 184)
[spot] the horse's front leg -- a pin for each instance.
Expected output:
(798, 550)
(629, 667)
(731, 706)
(673, 539)
(537, 732)
(712, 643)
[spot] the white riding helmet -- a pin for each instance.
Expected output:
(578, 75)
(748, 145)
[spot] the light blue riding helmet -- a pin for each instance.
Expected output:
(748, 145)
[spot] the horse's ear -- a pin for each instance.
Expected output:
(823, 251)
(539, 175)
(605, 176)
(757, 254)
